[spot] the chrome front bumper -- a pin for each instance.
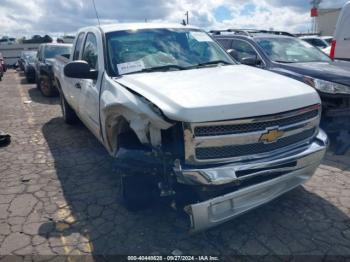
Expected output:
(218, 210)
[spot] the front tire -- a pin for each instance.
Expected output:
(69, 116)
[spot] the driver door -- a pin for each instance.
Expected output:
(72, 90)
(90, 89)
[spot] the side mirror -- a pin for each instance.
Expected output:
(80, 69)
(250, 60)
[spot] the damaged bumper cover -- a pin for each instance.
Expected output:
(223, 208)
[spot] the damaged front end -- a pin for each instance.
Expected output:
(251, 184)
(215, 170)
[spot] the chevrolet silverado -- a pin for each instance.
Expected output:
(186, 122)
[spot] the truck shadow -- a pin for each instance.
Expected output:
(36, 96)
(93, 221)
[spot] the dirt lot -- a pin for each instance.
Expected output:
(59, 195)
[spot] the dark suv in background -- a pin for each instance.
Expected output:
(43, 66)
(287, 55)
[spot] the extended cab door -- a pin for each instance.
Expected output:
(72, 87)
(90, 89)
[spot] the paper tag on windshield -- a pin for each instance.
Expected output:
(201, 37)
(130, 67)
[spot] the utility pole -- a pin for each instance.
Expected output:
(187, 15)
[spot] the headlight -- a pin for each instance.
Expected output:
(327, 87)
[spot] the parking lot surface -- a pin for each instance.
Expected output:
(59, 194)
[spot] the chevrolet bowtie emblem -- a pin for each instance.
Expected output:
(271, 136)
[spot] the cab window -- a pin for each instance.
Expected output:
(90, 51)
(78, 46)
(242, 49)
(226, 43)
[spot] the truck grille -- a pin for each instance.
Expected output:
(249, 149)
(219, 130)
(240, 140)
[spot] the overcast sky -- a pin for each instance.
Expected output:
(55, 17)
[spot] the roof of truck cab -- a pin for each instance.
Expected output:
(136, 26)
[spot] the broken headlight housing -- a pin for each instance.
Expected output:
(327, 86)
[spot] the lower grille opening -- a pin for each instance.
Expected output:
(206, 153)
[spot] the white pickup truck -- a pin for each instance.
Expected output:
(188, 122)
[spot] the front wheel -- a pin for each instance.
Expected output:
(69, 116)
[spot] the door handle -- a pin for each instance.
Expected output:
(77, 85)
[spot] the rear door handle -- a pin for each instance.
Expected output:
(78, 85)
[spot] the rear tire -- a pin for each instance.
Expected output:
(69, 116)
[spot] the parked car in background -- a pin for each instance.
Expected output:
(297, 59)
(341, 43)
(5, 40)
(328, 39)
(23, 56)
(43, 66)
(316, 41)
(37, 39)
(186, 121)
(67, 39)
(2, 63)
(29, 66)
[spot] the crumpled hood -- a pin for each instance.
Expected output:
(220, 93)
(337, 71)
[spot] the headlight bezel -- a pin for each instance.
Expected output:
(327, 87)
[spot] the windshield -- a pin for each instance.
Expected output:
(30, 56)
(52, 51)
(162, 49)
(291, 50)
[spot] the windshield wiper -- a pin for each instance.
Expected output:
(284, 62)
(216, 62)
(157, 68)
